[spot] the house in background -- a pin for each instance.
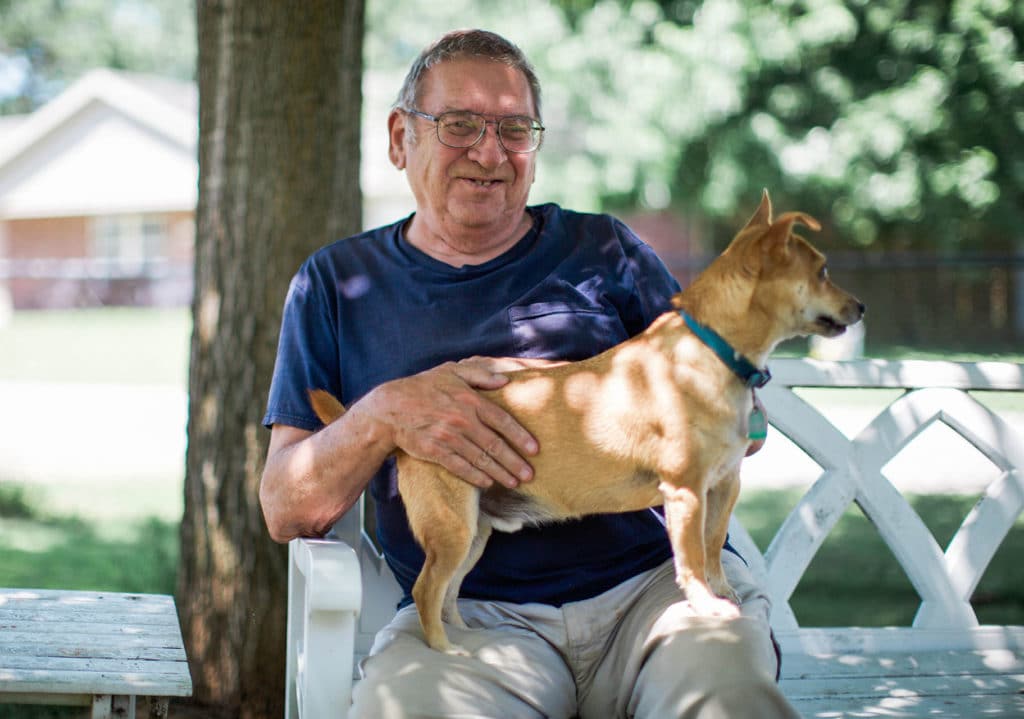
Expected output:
(97, 194)
(98, 191)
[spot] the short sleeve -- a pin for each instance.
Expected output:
(308, 355)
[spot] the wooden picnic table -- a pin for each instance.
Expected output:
(117, 653)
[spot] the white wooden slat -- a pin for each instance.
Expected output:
(148, 647)
(899, 373)
(827, 641)
(89, 637)
(803, 532)
(111, 649)
(101, 601)
(983, 531)
(45, 615)
(94, 682)
(15, 663)
(912, 707)
(897, 664)
(933, 685)
(84, 629)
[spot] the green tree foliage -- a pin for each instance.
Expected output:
(45, 44)
(902, 120)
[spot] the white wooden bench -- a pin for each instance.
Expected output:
(120, 654)
(944, 665)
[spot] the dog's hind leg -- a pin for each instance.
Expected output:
(450, 612)
(721, 500)
(444, 521)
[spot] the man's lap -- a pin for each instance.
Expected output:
(585, 657)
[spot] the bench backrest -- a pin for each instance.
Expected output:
(926, 392)
(852, 472)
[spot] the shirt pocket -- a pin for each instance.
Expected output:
(559, 329)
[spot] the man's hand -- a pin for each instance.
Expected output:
(439, 416)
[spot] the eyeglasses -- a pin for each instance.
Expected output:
(461, 128)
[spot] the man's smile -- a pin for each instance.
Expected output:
(482, 183)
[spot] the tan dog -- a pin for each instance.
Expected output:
(659, 419)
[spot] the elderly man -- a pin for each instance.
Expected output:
(578, 618)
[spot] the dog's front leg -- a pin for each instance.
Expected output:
(684, 518)
(721, 500)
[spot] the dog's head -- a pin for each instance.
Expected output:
(792, 279)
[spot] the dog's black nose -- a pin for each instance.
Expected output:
(862, 307)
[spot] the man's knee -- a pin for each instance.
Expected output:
(749, 700)
(710, 668)
(509, 674)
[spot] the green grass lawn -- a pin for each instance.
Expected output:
(126, 345)
(54, 551)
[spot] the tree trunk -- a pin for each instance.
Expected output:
(279, 112)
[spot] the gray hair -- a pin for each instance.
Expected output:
(459, 44)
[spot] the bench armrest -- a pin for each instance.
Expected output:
(324, 596)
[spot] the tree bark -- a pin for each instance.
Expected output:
(279, 115)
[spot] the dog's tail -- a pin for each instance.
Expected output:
(326, 405)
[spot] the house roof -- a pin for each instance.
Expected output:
(119, 142)
(112, 142)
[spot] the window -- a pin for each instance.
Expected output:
(129, 242)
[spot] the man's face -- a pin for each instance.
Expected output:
(463, 194)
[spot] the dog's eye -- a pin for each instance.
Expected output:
(823, 273)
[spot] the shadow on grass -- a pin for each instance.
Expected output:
(41, 551)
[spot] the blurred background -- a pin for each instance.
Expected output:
(897, 123)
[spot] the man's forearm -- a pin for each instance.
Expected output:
(312, 479)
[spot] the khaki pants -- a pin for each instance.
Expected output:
(634, 651)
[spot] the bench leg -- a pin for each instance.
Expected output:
(153, 707)
(105, 706)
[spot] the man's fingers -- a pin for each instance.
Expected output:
(466, 471)
(476, 465)
(477, 374)
(502, 462)
(506, 425)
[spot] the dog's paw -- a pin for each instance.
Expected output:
(456, 651)
(716, 607)
(725, 591)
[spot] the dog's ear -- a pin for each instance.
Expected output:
(746, 244)
(787, 220)
(780, 234)
(763, 215)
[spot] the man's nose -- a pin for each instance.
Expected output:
(488, 150)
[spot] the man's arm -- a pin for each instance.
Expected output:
(311, 479)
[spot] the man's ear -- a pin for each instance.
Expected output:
(396, 138)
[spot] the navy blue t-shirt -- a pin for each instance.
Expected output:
(372, 308)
